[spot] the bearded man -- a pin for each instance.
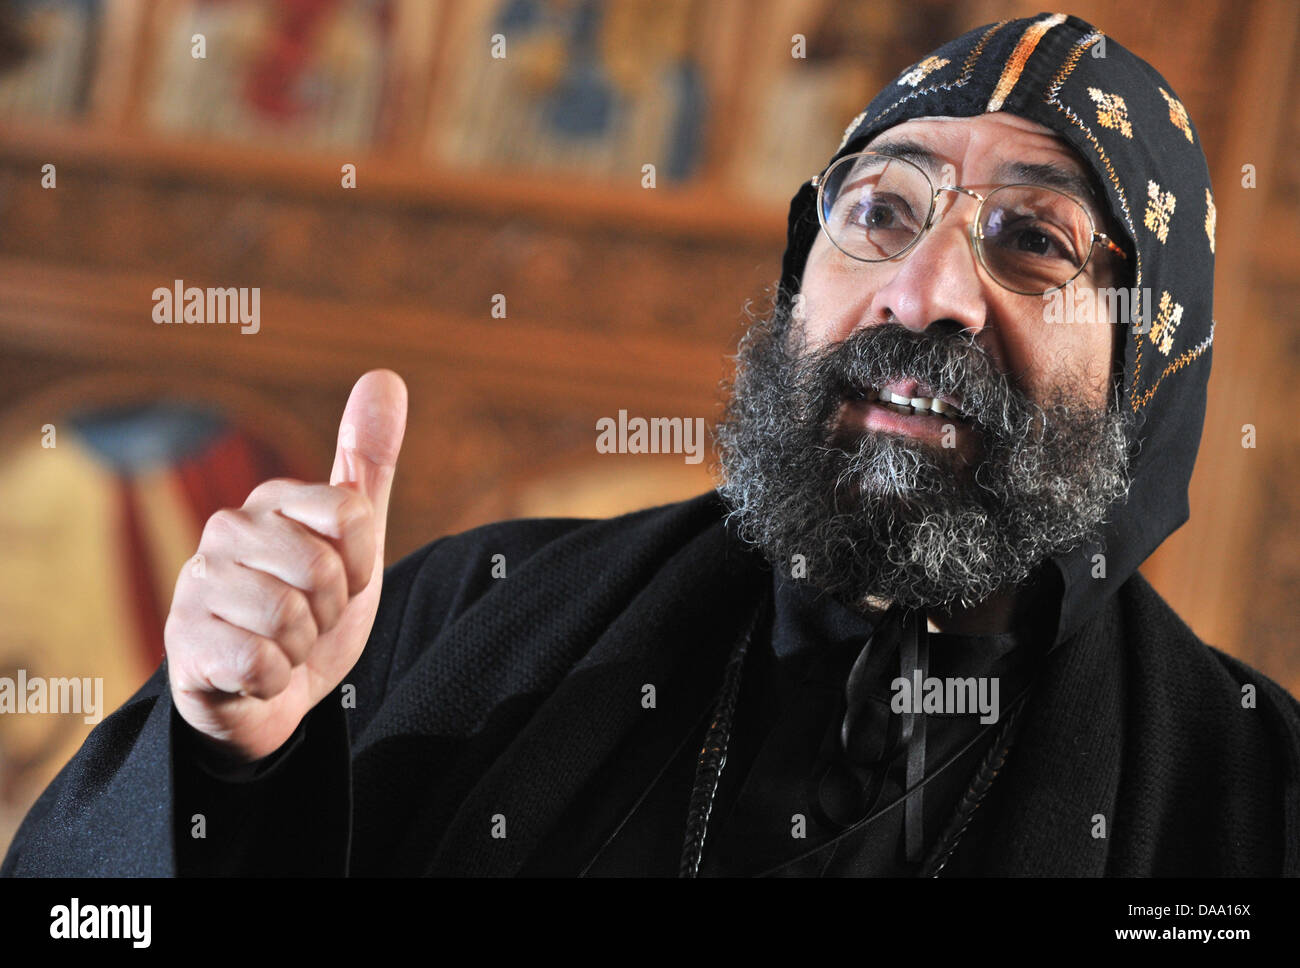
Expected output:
(929, 481)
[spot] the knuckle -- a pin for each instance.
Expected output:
(325, 570)
(288, 610)
(222, 526)
(268, 491)
(257, 665)
(353, 513)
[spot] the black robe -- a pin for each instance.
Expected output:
(484, 701)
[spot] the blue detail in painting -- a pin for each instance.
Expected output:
(518, 15)
(90, 7)
(139, 438)
(585, 103)
(684, 145)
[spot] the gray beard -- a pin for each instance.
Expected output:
(877, 516)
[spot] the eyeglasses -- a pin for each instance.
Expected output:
(1030, 239)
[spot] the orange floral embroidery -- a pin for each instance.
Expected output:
(1112, 112)
(1168, 316)
(1160, 209)
(1177, 114)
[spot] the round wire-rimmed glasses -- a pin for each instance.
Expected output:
(1030, 239)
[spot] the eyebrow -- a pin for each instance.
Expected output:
(1050, 176)
(912, 151)
(1010, 172)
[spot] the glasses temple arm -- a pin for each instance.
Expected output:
(1110, 244)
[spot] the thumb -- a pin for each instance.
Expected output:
(370, 437)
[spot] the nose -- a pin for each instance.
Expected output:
(938, 279)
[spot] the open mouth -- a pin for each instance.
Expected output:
(910, 403)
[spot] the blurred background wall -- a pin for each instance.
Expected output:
(497, 241)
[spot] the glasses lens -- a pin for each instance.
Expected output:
(874, 206)
(1034, 239)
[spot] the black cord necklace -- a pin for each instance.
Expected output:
(713, 754)
(713, 758)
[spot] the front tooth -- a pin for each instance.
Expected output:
(920, 403)
(938, 406)
(884, 396)
(901, 400)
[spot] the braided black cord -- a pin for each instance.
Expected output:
(713, 757)
(989, 768)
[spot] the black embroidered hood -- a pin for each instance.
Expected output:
(1129, 126)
